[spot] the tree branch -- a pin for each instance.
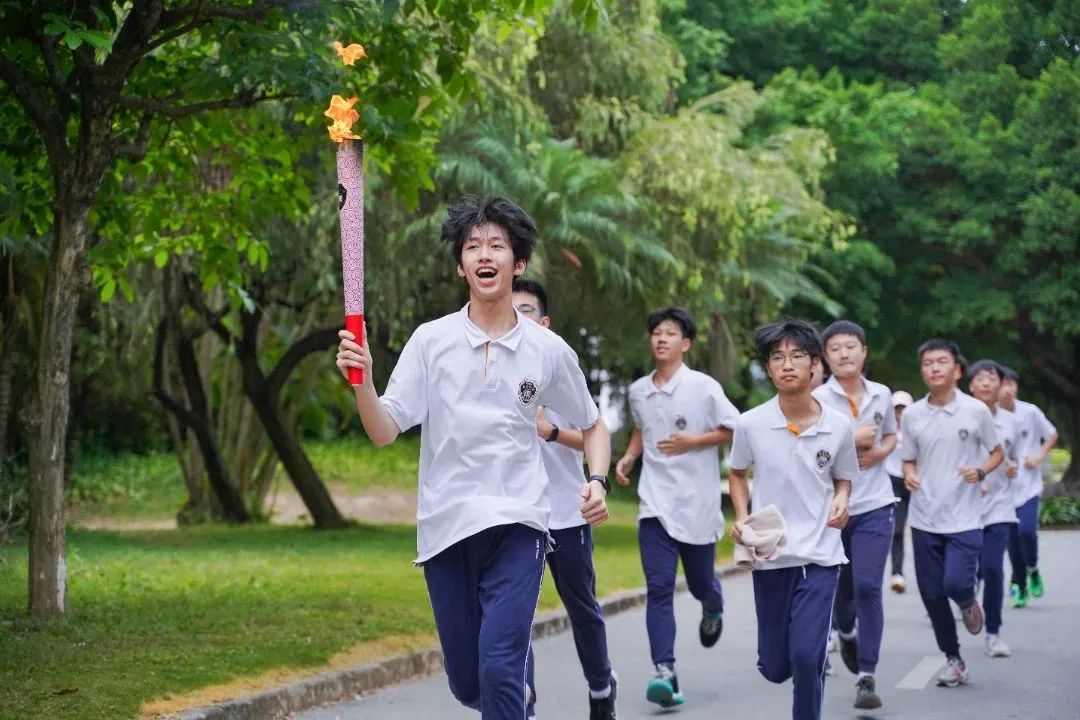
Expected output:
(60, 85)
(48, 124)
(313, 342)
(135, 151)
(245, 99)
(167, 401)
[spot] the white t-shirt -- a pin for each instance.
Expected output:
(1034, 429)
(681, 491)
(941, 440)
(796, 473)
(894, 462)
(566, 477)
(475, 400)
(874, 490)
(1000, 502)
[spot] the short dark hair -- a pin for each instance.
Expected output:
(469, 211)
(800, 332)
(524, 285)
(843, 327)
(1009, 374)
(678, 315)
(985, 365)
(942, 344)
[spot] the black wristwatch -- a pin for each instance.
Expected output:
(554, 433)
(982, 474)
(602, 479)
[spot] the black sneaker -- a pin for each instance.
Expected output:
(604, 708)
(712, 624)
(865, 696)
(849, 653)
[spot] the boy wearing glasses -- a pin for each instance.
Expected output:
(950, 446)
(680, 417)
(571, 563)
(804, 460)
(868, 535)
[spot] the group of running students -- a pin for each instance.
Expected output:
(833, 467)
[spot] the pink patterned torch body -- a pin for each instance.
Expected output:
(350, 171)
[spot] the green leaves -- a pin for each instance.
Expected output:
(74, 33)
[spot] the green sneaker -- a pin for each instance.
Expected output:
(1035, 582)
(663, 689)
(1019, 597)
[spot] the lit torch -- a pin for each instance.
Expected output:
(350, 172)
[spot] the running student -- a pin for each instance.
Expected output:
(867, 538)
(571, 563)
(950, 446)
(1037, 438)
(680, 417)
(804, 460)
(472, 380)
(999, 514)
(901, 400)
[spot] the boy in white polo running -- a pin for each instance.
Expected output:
(571, 563)
(950, 446)
(804, 460)
(473, 381)
(867, 538)
(680, 417)
(999, 513)
(1037, 438)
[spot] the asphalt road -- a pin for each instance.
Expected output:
(1040, 680)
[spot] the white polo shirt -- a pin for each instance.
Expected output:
(796, 473)
(941, 440)
(1034, 429)
(475, 400)
(681, 491)
(894, 462)
(1000, 502)
(566, 477)
(874, 490)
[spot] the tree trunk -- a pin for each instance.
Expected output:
(263, 393)
(47, 414)
(722, 357)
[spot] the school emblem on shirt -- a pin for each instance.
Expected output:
(963, 434)
(878, 417)
(680, 422)
(527, 392)
(823, 458)
(1025, 433)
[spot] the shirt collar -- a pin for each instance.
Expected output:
(671, 385)
(779, 421)
(478, 337)
(951, 408)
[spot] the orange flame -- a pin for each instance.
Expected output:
(339, 132)
(340, 110)
(350, 54)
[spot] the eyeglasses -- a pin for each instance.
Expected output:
(779, 358)
(940, 362)
(527, 309)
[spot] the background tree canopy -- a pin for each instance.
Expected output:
(912, 165)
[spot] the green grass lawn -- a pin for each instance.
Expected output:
(150, 487)
(157, 613)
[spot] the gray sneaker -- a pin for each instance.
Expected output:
(866, 697)
(953, 674)
(996, 647)
(973, 618)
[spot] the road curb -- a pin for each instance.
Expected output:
(340, 685)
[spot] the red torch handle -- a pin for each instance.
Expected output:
(355, 325)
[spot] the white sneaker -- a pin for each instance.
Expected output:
(996, 647)
(834, 641)
(898, 584)
(953, 674)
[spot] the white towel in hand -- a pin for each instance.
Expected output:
(764, 535)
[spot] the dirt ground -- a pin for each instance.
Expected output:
(286, 508)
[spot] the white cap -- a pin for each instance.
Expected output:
(902, 397)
